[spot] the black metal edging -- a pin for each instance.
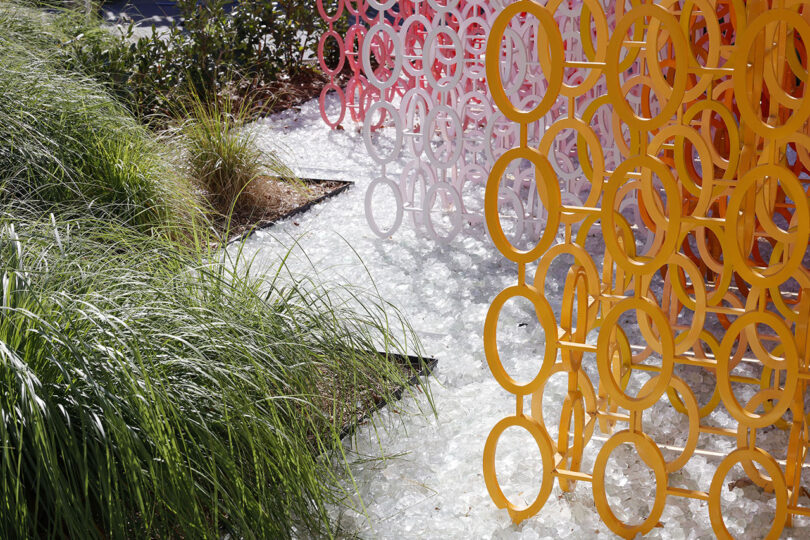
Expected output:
(424, 367)
(298, 209)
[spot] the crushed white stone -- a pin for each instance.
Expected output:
(430, 482)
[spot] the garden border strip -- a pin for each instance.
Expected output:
(424, 366)
(346, 184)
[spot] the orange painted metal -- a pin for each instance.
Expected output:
(710, 110)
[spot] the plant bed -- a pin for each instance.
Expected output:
(412, 367)
(288, 91)
(268, 200)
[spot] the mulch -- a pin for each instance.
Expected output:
(267, 200)
(290, 91)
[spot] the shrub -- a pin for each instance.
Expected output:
(219, 43)
(148, 389)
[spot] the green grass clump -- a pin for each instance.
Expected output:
(221, 156)
(148, 392)
(65, 142)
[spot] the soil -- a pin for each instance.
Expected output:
(268, 200)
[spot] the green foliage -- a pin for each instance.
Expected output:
(150, 389)
(68, 36)
(148, 392)
(66, 143)
(219, 43)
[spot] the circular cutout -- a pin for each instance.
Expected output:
(719, 482)
(798, 238)
(341, 100)
(674, 96)
(552, 39)
(432, 195)
(451, 136)
(545, 446)
(628, 262)
(747, 104)
(548, 191)
(322, 57)
(748, 322)
(603, 359)
(652, 456)
(453, 66)
(549, 324)
(398, 133)
(372, 222)
(396, 55)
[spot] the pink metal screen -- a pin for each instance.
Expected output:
(418, 74)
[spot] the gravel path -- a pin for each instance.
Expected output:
(430, 484)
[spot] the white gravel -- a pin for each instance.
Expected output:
(430, 482)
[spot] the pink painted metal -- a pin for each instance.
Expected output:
(417, 70)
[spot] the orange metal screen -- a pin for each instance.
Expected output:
(710, 112)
